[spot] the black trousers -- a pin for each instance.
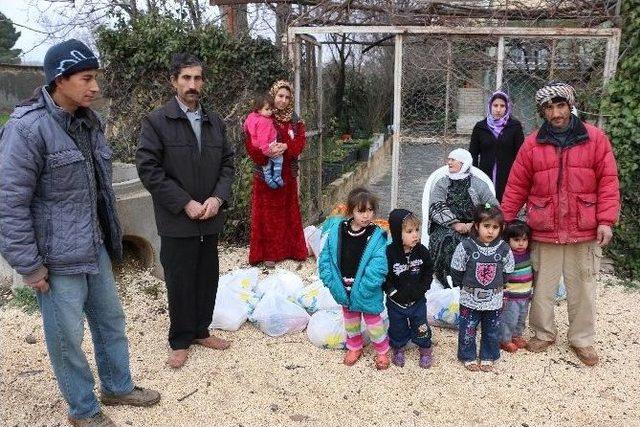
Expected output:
(191, 273)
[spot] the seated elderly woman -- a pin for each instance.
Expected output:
(453, 200)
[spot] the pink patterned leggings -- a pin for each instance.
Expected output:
(375, 327)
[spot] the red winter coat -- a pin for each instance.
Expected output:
(568, 191)
(276, 223)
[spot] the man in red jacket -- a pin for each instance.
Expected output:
(567, 175)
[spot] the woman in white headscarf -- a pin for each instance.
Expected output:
(453, 200)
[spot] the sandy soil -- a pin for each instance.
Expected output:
(288, 381)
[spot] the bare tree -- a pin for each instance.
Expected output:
(60, 19)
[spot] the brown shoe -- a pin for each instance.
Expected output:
(138, 397)
(213, 342)
(98, 420)
(177, 358)
(536, 345)
(587, 355)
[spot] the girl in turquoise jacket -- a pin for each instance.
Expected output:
(353, 265)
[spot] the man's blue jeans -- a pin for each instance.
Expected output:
(63, 308)
(489, 322)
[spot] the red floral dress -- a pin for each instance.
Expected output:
(276, 223)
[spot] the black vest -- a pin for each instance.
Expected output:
(485, 268)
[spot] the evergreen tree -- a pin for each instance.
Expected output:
(8, 38)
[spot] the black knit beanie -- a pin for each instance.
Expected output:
(66, 58)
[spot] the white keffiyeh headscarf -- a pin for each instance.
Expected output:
(464, 157)
(556, 90)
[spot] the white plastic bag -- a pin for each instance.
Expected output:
(283, 282)
(316, 297)
(561, 293)
(443, 306)
(326, 329)
(275, 315)
(315, 239)
(230, 312)
(242, 282)
(245, 278)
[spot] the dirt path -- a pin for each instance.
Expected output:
(287, 381)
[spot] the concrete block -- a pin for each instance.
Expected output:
(471, 109)
(135, 211)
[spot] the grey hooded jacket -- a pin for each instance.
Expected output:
(47, 215)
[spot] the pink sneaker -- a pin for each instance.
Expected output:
(382, 361)
(352, 356)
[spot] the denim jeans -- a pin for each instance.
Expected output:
(514, 317)
(408, 323)
(489, 321)
(63, 307)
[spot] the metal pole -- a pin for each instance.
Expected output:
(552, 66)
(296, 68)
(448, 90)
(320, 125)
(397, 104)
(610, 65)
(500, 64)
(531, 32)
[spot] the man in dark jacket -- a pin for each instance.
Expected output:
(186, 163)
(59, 227)
(567, 175)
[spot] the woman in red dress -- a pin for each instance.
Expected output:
(276, 223)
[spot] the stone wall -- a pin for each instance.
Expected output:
(337, 191)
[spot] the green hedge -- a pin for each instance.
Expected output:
(622, 107)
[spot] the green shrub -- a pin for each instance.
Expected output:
(622, 105)
(24, 298)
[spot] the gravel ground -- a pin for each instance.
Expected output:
(288, 381)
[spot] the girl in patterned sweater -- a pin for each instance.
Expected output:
(518, 289)
(480, 266)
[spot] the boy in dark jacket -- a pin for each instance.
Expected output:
(409, 277)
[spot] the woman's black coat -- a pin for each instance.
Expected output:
(486, 150)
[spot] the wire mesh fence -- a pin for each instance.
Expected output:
(529, 64)
(310, 107)
(447, 80)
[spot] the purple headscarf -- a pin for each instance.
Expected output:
(496, 125)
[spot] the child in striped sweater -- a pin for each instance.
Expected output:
(518, 289)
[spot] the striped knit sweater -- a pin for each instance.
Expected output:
(519, 283)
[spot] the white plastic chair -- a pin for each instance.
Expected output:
(426, 195)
